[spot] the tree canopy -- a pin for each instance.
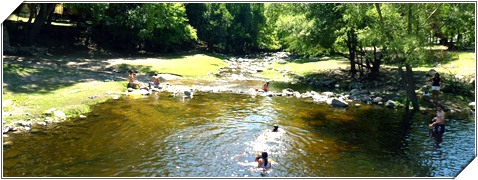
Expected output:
(308, 29)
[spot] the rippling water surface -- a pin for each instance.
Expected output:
(213, 135)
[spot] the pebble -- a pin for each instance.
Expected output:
(41, 123)
(7, 143)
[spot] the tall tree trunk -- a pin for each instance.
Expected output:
(51, 10)
(351, 44)
(407, 77)
(33, 11)
(377, 61)
(408, 82)
(39, 21)
(411, 88)
(382, 22)
(6, 40)
(409, 27)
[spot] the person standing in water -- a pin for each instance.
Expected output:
(437, 126)
(263, 161)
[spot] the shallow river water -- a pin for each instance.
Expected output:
(213, 135)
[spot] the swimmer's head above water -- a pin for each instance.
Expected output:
(276, 128)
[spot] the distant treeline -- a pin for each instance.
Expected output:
(308, 29)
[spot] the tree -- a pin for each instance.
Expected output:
(130, 26)
(248, 21)
(213, 21)
(46, 10)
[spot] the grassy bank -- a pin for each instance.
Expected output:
(73, 99)
(198, 66)
(29, 90)
(463, 65)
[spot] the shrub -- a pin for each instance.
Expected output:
(454, 84)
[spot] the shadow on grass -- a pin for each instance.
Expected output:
(433, 57)
(19, 78)
(303, 60)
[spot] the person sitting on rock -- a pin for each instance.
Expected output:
(133, 83)
(265, 87)
(154, 81)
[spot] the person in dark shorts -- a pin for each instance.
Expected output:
(437, 125)
(132, 82)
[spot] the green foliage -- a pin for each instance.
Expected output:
(159, 26)
(460, 86)
(430, 58)
(230, 28)
(306, 29)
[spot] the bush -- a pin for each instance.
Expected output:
(454, 84)
(431, 58)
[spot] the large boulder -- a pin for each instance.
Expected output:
(354, 92)
(337, 103)
(328, 94)
(376, 100)
(288, 92)
(390, 104)
(472, 105)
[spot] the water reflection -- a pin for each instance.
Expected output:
(163, 136)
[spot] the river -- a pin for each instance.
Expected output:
(214, 134)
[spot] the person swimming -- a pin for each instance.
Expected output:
(276, 128)
(263, 161)
(271, 135)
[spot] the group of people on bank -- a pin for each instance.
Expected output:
(153, 83)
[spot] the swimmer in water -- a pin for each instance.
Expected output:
(277, 129)
(271, 135)
(261, 161)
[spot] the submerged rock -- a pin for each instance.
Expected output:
(337, 103)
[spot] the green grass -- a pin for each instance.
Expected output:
(73, 99)
(304, 68)
(465, 65)
(22, 97)
(190, 66)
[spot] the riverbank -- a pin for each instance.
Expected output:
(53, 88)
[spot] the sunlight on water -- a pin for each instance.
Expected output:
(217, 135)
